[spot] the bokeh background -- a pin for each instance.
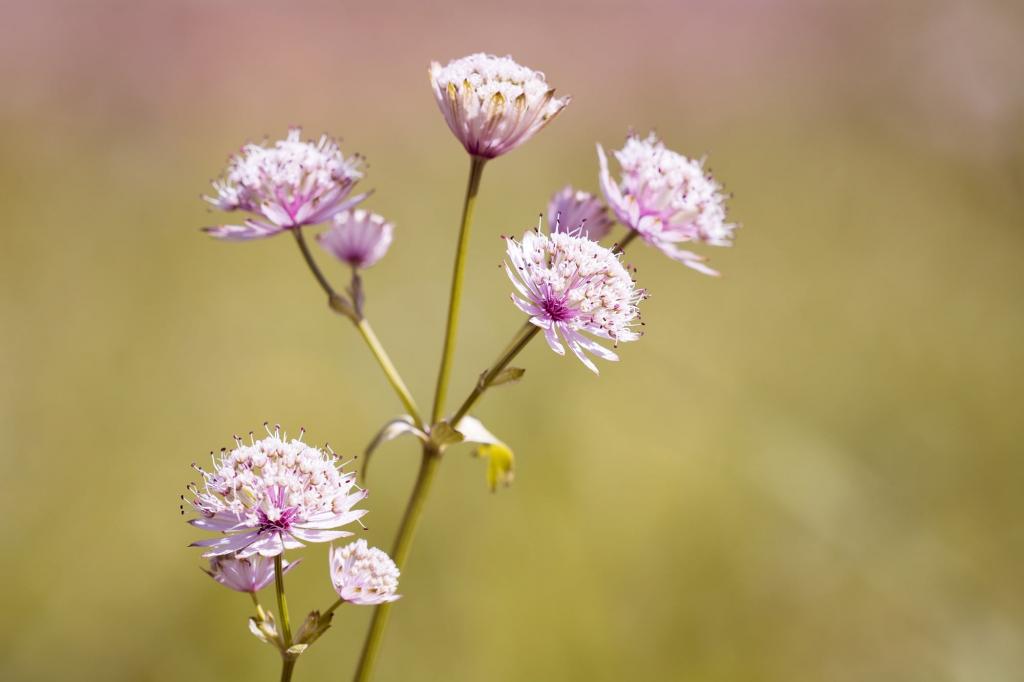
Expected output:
(809, 469)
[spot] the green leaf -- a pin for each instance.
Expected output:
(509, 375)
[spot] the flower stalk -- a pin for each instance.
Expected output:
(431, 455)
(288, 661)
(476, 169)
(390, 371)
(624, 242)
(341, 305)
(523, 337)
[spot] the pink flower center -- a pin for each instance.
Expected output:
(282, 524)
(556, 309)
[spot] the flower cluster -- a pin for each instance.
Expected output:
(570, 285)
(270, 495)
(492, 104)
(248, 574)
(288, 185)
(363, 575)
(358, 238)
(667, 199)
(572, 210)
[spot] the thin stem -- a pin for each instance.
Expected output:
(403, 542)
(333, 607)
(621, 246)
(363, 325)
(300, 239)
(522, 338)
(341, 305)
(287, 660)
(282, 601)
(476, 168)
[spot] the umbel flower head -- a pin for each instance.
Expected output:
(271, 494)
(363, 575)
(288, 185)
(493, 104)
(571, 209)
(571, 286)
(358, 238)
(667, 198)
(250, 574)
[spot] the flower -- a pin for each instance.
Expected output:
(358, 238)
(493, 104)
(270, 495)
(571, 284)
(363, 575)
(667, 199)
(572, 209)
(245, 575)
(291, 184)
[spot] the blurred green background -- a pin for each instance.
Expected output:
(808, 469)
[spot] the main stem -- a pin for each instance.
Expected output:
(476, 168)
(431, 456)
(340, 304)
(400, 552)
(282, 611)
(522, 338)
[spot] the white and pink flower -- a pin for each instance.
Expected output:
(291, 184)
(358, 238)
(250, 574)
(572, 210)
(571, 286)
(363, 575)
(271, 495)
(492, 104)
(667, 199)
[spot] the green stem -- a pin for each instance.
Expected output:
(394, 378)
(333, 607)
(476, 168)
(282, 601)
(287, 661)
(400, 552)
(340, 304)
(431, 456)
(300, 239)
(522, 338)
